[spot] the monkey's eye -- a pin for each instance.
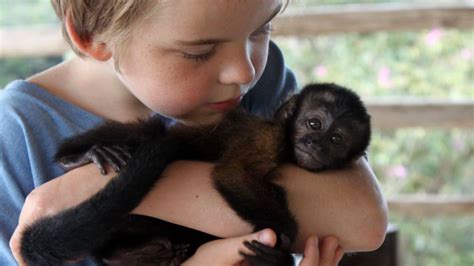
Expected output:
(314, 123)
(337, 139)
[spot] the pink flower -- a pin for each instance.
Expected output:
(457, 144)
(433, 37)
(398, 171)
(466, 54)
(320, 71)
(384, 77)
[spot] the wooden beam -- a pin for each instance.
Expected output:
(432, 205)
(363, 18)
(391, 114)
(31, 41)
(44, 40)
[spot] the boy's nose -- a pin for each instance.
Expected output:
(239, 69)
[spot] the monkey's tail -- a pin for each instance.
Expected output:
(75, 232)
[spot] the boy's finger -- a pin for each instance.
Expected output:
(311, 252)
(327, 251)
(338, 256)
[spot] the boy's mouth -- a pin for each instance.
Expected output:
(226, 105)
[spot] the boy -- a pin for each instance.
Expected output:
(189, 61)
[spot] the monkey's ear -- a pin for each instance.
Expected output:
(287, 109)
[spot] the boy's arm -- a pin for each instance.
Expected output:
(347, 204)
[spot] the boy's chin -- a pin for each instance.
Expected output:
(203, 120)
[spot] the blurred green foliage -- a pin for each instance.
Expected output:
(26, 12)
(437, 241)
(434, 63)
(431, 63)
(22, 68)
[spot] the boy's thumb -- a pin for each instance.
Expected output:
(265, 236)
(227, 251)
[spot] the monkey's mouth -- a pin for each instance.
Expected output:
(308, 160)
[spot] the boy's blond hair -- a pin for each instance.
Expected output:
(108, 21)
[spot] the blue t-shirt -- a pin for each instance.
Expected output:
(34, 122)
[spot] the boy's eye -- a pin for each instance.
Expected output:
(198, 57)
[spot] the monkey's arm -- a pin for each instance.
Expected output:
(111, 142)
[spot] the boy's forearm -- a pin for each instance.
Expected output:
(347, 204)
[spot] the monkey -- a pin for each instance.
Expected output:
(325, 126)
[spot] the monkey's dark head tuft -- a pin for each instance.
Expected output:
(331, 127)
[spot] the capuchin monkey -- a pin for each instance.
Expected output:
(326, 126)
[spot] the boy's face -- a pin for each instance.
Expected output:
(194, 60)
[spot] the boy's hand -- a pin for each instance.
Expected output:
(226, 251)
(321, 252)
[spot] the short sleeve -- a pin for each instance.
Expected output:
(33, 124)
(13, 189)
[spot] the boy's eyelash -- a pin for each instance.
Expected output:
(267, 29)
(198, 57)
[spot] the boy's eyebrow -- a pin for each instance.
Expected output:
(213, 41)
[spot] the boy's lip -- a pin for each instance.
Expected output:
(226, 105)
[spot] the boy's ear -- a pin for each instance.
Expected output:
(96, 50)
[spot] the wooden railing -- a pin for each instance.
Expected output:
(365, 18)
(46, 40)
(392, 114)
(427, 206)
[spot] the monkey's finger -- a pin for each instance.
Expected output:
(273, 256)
(74, 161)
(284, 242)
(125, 150)
(96, 156)
(268, 256)
(122, 155)
(115, 158)
(108, 155)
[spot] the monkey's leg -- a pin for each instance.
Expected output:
(77, 231)
(260, 203)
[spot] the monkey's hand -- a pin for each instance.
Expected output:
(115, 156)
(268, 256)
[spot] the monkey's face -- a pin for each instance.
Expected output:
(328, 134)
(318, 139)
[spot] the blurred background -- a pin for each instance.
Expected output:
(411, 61)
